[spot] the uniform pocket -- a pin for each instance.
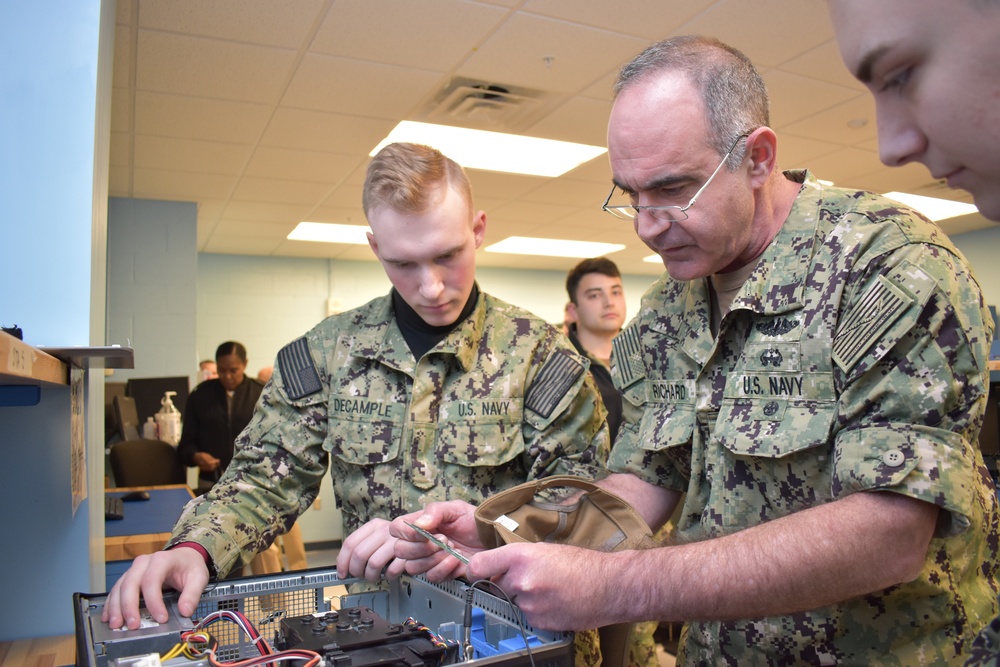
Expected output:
(363, 432)
(770, 457)
(477, 433)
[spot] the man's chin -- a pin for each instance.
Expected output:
(439, 318)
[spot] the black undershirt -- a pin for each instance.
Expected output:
(420, 336)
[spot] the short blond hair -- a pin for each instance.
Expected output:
(403, 175)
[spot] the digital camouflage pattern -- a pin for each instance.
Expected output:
(853, 359)
(481, 412)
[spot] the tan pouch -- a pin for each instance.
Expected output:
(596, 519)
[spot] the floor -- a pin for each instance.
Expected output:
(321, 557)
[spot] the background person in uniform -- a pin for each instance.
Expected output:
(597, 310)
(807, 380)
(932, 69)
(434, 391)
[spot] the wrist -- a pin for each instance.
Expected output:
(201, 551)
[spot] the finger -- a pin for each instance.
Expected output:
(191, 591)
(152, 594)
(127, 612)
(447, 569)
(488, 564)
(378, 560)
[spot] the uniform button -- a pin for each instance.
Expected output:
(893, 458)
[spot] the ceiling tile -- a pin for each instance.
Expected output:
(124, 59)
(121, 149)
(180, 185)
(284, 23)
(832, 124)
(434, 33)
(769, 32)
(170, 63)
(209, 157)
(252, 189)
(516, 54)
(265, 211)
(334, 133)
(797, 97)
(823, 63)
(288, 164)
(579, 119)
(342, 85)
(659, 18)
(254, 228)
(200, 118)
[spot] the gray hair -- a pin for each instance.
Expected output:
(732, 90)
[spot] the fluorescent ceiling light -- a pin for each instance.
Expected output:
(523, 245)
(933, 208)
(495, 151)
(330, 233)
(653, 259)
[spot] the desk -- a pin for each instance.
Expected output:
(145, 528)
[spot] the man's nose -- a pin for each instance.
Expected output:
(900, 140)
(431, 284)
(648, 227)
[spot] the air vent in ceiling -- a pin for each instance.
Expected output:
(487, 106)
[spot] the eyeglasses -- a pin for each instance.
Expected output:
(665, 213)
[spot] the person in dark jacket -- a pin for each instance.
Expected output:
(596, 312)
(216, 412)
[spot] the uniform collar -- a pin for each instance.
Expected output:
(378, 337)
(777, 284)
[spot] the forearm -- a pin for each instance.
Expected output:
(654, 504)
(810, 559)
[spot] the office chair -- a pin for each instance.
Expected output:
(146, 463)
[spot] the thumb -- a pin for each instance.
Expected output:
(488, 564)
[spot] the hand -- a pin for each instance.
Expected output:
(546, 581)
(206, 461)
(453, 522)
(368, 551)
(182, 569)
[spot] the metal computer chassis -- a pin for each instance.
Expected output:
(304, 608)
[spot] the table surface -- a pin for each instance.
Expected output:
(147, 523)
(39, 651)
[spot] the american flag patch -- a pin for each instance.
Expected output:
(298, 373)
(560, 372)
(879, 307)
(626, 356)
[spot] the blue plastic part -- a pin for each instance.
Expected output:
(483, 649)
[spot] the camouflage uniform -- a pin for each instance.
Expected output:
(853, 359)
(502, 400)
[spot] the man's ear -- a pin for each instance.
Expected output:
(479, 227)
(762, 149)
(571, 311)
(372, 243)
